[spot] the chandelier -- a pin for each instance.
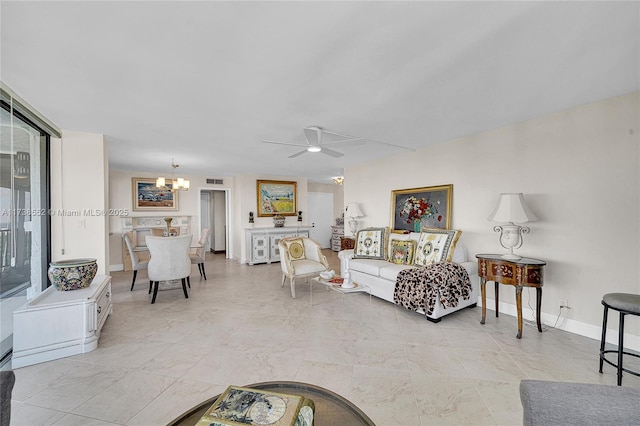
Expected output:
(176, 183)
(338, 180)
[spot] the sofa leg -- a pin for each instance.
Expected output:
(433, 320)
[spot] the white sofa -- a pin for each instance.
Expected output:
(380, 275)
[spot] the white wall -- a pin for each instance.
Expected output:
(79, 204)
(246, 201)
(579, 171)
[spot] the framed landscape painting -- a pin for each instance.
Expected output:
(146, 197)
(416, 208)
(276, 197)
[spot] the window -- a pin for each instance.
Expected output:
(24, 206)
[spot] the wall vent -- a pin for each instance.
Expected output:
(215, 181)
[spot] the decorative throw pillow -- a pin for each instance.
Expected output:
(371, 243)
(295, 247)
(436, 245)
(402, 252)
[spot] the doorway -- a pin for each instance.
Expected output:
(214, 215)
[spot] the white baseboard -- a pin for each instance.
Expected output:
(117, 267)
(567, 324)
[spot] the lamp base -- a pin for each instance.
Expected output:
(509, 256)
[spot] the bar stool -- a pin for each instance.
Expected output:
(625, 304)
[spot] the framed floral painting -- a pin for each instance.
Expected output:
(416, 208)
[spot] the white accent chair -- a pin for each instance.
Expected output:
(169, 261)
(311, 266)
(136, 265)
(199, 256)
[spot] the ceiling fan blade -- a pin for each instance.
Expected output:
(313, 135)
(342, 140)
(297, 154)
(334, 154)
(283, 143)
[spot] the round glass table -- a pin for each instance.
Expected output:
(331, 409)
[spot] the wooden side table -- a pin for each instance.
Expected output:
(524, 272)
(347, 243)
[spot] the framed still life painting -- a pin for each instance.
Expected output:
(147, 197)
(417, 208)
(276, 197)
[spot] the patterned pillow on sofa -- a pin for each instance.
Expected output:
(402, 252)
(371, 243)
(436, 245)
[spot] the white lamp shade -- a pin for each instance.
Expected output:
(352, 210)
(512, 208)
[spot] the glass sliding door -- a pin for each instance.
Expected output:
(24, 218)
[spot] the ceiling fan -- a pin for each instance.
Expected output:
(315, 142)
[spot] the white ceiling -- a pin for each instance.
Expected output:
(203, 82)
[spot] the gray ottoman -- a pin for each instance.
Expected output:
(561, 403)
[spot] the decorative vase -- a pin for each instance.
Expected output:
(417, 225)
(278, 221)
(168, 231)
(72, 274)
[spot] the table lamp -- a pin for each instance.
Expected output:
(511, 208)
(352, 211)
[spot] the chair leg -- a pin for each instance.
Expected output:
(604, 335)
(155, 292)
(293, 287)
(150, 286)
(204, 274)
(284, 278)
(620, 347)
(184, 288)
(189, 281)
(135, 273)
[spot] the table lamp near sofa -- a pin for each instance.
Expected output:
(511, 208)
(353, 212)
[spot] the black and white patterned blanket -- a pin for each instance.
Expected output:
(417, 288)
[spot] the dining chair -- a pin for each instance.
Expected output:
(199, 256)
(136, 264)
(169, 261)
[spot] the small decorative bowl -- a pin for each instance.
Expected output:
(72, 274)
(327, 275)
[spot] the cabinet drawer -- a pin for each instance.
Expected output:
(337, 230)
(103, 306)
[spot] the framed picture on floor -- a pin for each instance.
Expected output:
(416, 208)
(276, 197)
(147, 197)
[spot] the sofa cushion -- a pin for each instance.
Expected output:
(368, 266)
(390, 272)
(401, 252)
(436, 245)
(371, 243)
(295, 248)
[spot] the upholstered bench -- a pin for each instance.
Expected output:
(561, 403)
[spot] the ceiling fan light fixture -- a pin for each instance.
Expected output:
(314, 149)
(338, 180)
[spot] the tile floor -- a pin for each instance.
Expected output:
(154, 362)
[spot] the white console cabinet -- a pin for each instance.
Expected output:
(57, 324)
(262, 243)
